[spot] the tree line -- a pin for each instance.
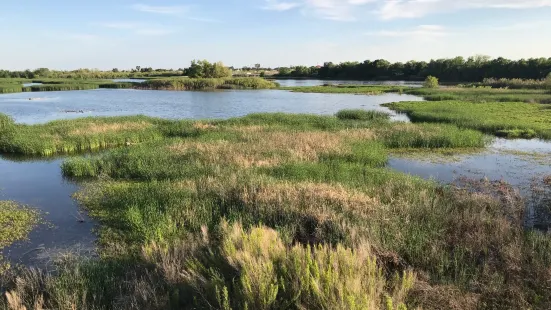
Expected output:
(458, 69)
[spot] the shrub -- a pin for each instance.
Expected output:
(431, 82)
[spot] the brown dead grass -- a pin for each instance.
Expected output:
(261, 149)
(98, 128)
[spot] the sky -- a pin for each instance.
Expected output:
(105, 34)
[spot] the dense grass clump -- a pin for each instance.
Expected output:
(345, 89)
(68, 136)
(430, 136)
(10, 88)
(511, 119)
(365, 115)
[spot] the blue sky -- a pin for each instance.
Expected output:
(68, 34)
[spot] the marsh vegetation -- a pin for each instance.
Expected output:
(280, 209)
(292, 211)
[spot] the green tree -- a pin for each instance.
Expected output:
(205, 69)
(431, 82)
(284, 71)
(548, 80)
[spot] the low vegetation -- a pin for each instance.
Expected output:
(518, 83)
(509, 119)
(87, 134)
(15, 223)
(286, 211)
(345, 89)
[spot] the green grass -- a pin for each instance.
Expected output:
(365, 115)
(483, 95)
(15, 224)
(511, 119)
(10, 88)
(475, 94)
(345, 89)
(69, 136)
(289, 211)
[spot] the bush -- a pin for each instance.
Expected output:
(548, 81)
(431, 82)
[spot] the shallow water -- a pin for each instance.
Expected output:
(40, 185)
(182, 104)
(517, 162)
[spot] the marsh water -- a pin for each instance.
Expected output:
(40, 184)
(41, 107)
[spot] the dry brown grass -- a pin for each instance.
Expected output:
(261, 148)
(99, 128)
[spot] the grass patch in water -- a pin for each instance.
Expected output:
(16, 222)
(85, 134)
(511, 119)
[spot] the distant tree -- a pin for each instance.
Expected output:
(283, 71)
(431, 82)
(41, 72)
(116, 70)
(205, 69)
(138, 68)
(257, 66)
(263, 74)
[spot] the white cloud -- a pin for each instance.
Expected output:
(139, 28)
(276, 5)
(153, 31)
(419, 8)
(166, 10)
(419, 32)
(120, 25)
(346, 10)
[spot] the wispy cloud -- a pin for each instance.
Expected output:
(349, 10)
(166, 10)
(419, 8)
(139, 28)
(276, 5)
(419, 32)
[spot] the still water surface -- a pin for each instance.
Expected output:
(48, 106)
